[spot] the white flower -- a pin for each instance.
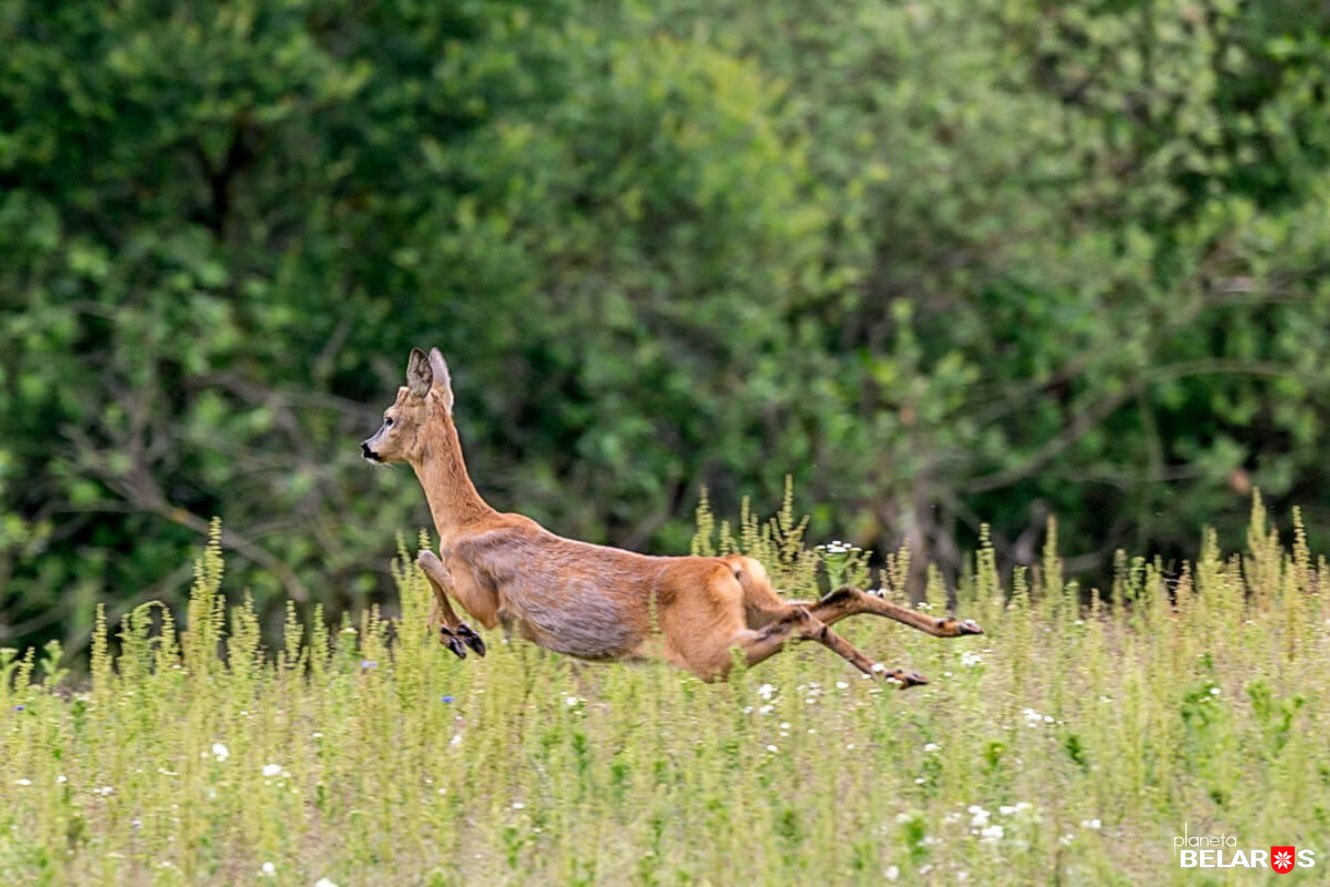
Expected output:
(518, 805)
(979, 817)
(971, 660)
(931, 747)
(220, 751)
(23, 782)
(772, 749)
(273, 770)
(1091, 823)
(456, 740)
(879, 667)
(61, 779)
(104, 790)
(992, 833)
(572, 700)
(765, 710)
(766, 691)
(1214, 691)
(269, 869)
(1066, 840)
(892, 872)
(324, 882)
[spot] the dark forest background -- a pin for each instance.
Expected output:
(944, 264)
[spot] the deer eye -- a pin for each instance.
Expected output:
(388, 421)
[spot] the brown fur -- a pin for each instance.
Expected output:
(592, 601)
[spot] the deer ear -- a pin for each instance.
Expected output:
(442, 380)
(419, 376)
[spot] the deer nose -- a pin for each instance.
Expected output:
(365, 450)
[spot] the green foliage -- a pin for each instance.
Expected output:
(957, 265)
(1069, 744)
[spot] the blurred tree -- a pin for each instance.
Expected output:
(942, 264)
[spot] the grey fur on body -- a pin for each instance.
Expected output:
(550, 590)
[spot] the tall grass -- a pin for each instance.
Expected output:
(1068, 745)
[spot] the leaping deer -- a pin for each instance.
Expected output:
(592, 601)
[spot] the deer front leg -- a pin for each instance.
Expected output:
(453, 632)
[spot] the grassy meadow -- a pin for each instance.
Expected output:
(1069, 745)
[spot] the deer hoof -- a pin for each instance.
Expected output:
(904, 679)
(968, 626)
(473, 640)
(450, 640)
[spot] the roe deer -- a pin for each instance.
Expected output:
(592, 601)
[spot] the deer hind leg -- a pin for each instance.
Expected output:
(748, 615)
(850, 601)
(453, 632)
(801, 625)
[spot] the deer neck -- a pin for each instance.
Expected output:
(453, 500)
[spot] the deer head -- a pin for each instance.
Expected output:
(428, 393)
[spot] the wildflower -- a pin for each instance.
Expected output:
(220, 751)
(765, 710)
(841, 685)
(446, 699)
(367, 664)
(104, 790)
(61, 779)
(571, 700)
(1214, 691)
(19, 708)
(892, 873)
(1066, 840)
(272, 770)
(1091, 823)
(456, 740)
(1032, 717)
(979, 817)
(931, 746)
(772, 749)
(325, 882)
(766, 691)
(269, 869)
(971, 660)
(991, 833)
(518, 805)
(23, 782)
